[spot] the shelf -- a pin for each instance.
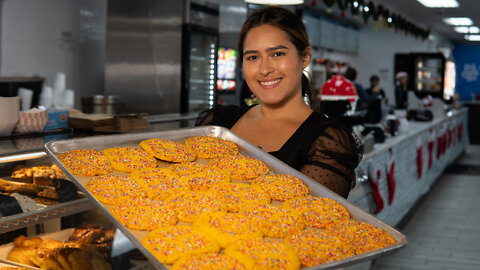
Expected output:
(23, 220)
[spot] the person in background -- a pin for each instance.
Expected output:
(363, 98)
(274, 50)
(401, 91)
(374, 109)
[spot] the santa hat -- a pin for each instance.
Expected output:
(401, 74)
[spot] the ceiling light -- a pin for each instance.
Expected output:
(439, 3)
(275, 2)
(472, 37)
(467, 29)
(458, 21)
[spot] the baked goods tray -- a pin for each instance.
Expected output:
(275, 165)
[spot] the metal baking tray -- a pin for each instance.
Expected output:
(275, 165)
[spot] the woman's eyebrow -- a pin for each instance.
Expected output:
(279, 47)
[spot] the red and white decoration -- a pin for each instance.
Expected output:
(338, 88)
(431, 144)
(374, 176)
(33, 120)
(419, 158)
(392, 183)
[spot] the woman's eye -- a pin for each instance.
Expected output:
(253, 57)
(278, 54)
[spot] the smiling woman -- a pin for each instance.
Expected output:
(274, 50)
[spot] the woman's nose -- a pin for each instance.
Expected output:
(266, 67)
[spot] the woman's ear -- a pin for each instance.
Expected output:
(306, 57)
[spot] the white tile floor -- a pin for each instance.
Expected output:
(444, 233)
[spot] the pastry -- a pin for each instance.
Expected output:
(43, 175)
(114, 189)
(258, 253)
(168, 244)
(281, 187)
(233, 195)
(168, 150)
(160, 183)
(87, 162)
(240, 167)
(188, 168)
(128, 159)
(274, 221)
(189, 206)
(319, 212)
(211, 147)
(24, 175)
(203, 181)
(208, 261)
(227, 228)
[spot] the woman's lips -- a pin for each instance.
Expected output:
(270, 83)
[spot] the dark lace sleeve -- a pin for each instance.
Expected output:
(332, 159)
(205, 117)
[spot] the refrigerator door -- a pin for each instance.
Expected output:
(429, 70)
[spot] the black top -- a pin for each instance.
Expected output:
(321, 148)
(401, 98)
(374, 108)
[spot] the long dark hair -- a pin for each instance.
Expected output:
(291, 24)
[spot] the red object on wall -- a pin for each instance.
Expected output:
(338, 88)
(419, 158)
(374, 176)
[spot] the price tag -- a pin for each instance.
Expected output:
(66, 190)
(9, 205)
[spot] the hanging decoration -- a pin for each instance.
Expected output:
(343, 5)
(366, 12)
(355, 7)
(329, 4)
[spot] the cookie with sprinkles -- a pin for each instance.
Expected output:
(319, 212)
(208, 261)
(114, 189)
(316, 247)
(160, 183)
(128, 159)
(87, 162)
(204, 180)
(281, 187)
(168, 244)
(259, 253)
(274, 221)
(241, 167)
(234, 195)
(227, 228)
(144, 214)
(211, 147)
(168, 150)
(189, 168)
(191, 205)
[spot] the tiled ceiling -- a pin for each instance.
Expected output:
(432, 17)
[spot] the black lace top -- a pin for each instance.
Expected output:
(321, 148)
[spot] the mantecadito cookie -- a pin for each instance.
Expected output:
(319, 212)
(114, 189)
(128, 159)
(188, 168)
(211, 147)
(241, 167)
(208, 261)
(160, 183)
(190, 206)
(234, 195)
(168, 244)
(87, 162)
(258, 253)
(281, 187)
(227, 228)
(168, 150)
(144, 214)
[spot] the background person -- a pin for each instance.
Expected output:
(374, 108)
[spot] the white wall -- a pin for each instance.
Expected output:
(43, 37)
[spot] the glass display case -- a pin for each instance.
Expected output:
(429, 71)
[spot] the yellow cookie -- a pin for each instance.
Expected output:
(160, 183)
(168, 150)
(208, 261)
(233, 195)
(170, 243)
(319, 212)
(144, 214)
(274, 221)
(211, 147)
(281, 187)
(86, 162)
(204, 180)
(227, 228)
(113, 189)
(186, 169)
(241, 167)
(192, 204)
(128, 159)
(258, 253)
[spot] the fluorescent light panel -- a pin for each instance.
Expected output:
(275, 2)
(472, 37)
(458, 21)
(467, 29)
(439, 3)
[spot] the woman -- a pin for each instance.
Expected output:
(374, 107)
(274, 50)
(401, 90)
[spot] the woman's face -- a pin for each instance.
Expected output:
(272, 65)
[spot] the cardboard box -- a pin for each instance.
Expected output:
(57, 119)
